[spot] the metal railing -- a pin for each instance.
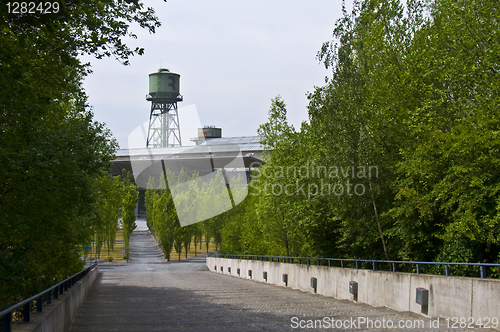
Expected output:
(55, 290)
(358, 263)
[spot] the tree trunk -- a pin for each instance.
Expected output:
(378, 222)
(285, 237)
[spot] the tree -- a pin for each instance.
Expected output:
(163, 215)
(149, 199)
(179, 234)
(446, 204)
(129, 202)
(51, 149)
(409, 118)
(108, 191)
(197, 236)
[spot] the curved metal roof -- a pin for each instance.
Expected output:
(215, 147)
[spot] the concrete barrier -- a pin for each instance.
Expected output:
(449, 297)
(58, 316)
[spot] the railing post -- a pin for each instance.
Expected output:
(329, 262)
(319, 261)
(39, 304)
(374, 266)
(7, 322)
(342, 264)
(56, 292)
(447, 270)
(48, 299)
(308, 262)
(61, 289)
(357, 265)
(419, 269)
(26, 312)
(394, 267)
(482, 270)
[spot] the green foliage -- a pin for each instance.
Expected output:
(161, 215)
(94, 27)
(198, 200)
(414, 94)
(130, 198)
(53, 153)
(409, 119)
(108, 196)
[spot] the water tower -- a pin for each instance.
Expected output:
(164, 93)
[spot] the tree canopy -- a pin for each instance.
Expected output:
(399, 156)
(53, 154)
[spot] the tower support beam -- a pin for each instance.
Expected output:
(164, 127)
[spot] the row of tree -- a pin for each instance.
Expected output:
(185, 199)
(52, 152)
(399, 159)
(116, 196)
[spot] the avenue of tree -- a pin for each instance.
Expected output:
(55, 194)
(414, 95)
(199, 199)
(415, 92)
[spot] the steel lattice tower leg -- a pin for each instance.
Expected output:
(164, 128)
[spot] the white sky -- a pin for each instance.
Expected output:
(233, 58)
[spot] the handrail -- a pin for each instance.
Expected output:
(418, 265)
(58, 289)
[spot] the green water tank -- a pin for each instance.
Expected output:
(164, 85)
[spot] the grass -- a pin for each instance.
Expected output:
(175, 256)
(116, 253)
(119, 249)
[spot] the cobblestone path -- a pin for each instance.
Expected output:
(150, 294)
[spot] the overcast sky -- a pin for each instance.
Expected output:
(233, 58)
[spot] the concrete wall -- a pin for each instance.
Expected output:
(448, 296)
(58, 316)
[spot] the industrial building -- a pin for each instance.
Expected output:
(233, 155)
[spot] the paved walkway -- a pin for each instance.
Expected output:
(150, 294)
